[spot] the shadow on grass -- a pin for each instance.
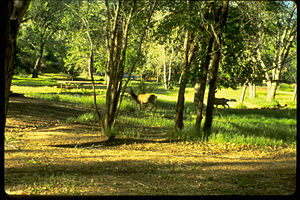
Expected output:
(25, 107)
(111, 143)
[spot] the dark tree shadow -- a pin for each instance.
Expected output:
(112, 143)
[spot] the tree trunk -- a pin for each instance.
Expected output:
(212, 90)
(13, 13)
(165, 70)
(252, 90)
(189, 50)
(37, 65)
(91, 73)
(170, 68)
(197, 91)
(165, 76)
(139, 52)
(272, 91)
(169, 76)
(200, 92)
(180, 100)
(199, 71)
(113, 57)
(273, 88)
(243, 92)
(295, 93)
(220, 21)
(116, 65)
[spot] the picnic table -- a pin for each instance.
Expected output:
(75, 84)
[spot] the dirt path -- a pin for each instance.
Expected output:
(45, 155)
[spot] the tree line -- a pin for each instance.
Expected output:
(207, 44)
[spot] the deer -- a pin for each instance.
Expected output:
(144, 99)
(222, 101)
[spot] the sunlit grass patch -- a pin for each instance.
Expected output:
(30, 90)
(85, 118)
(242, 124)
(255, 129)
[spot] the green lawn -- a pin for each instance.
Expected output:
(251, 123)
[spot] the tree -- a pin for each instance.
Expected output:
(163, 52)
(190, 46)
(189, 49)
(220, 16)
(276, 39)
(84, 17)
(43, 19)
(116, 45)
(206, 52)
(145, 14)
(78, 44)
(201, 83)
(13, 14)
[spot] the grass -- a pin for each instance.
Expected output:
(247, 123)
(255, 128)
(251, 149)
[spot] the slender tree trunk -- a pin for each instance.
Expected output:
(139, 52)
(38, 63)
(91, 64)
(43, 40)
(189, 50)
(272, 92)
(212, 90)
(91, 73)
(111, 68)
(169, 76)
(252, 90)
(276, 75)
(202, 84)
(165, 76)
(13, 12)
(198, 75)
(243, 92)
(116, 65)
(197, 90)
(295, 93)
(180, 100)
(165, 70)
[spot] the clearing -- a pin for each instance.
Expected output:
(46, 155)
